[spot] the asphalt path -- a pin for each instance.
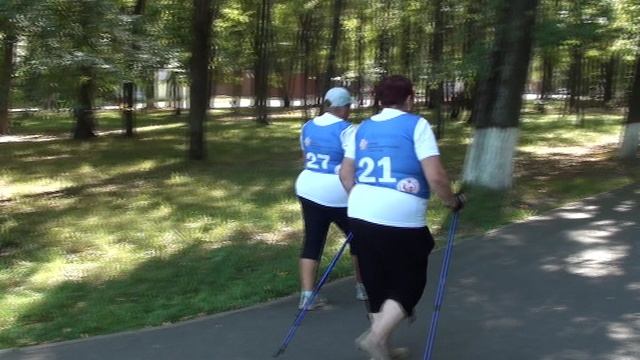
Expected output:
(561, 286)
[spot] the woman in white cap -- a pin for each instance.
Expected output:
(323, 199)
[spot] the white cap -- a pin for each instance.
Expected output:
(337, 96)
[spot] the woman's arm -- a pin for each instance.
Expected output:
(348, 173)
(439, 180)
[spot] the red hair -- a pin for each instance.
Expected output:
(393, 90)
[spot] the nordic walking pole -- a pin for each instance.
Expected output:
(314, 293)
(441, 285)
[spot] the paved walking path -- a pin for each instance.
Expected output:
(565, 285)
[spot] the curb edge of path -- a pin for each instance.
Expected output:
(283, 299)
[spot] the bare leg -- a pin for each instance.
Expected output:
(308, 274)
(356, 268)
(375, 340)
(361, 292)
(386, 321)
(308, 270)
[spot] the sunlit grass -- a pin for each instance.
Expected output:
(50, 122)
(115, 234)
(131, 231)
(546, 133)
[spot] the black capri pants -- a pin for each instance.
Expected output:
(317, 219)
(393, 262)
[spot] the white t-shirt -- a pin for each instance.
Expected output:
(324, 189)
(386, 206)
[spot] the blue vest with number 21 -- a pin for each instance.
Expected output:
(386, 157)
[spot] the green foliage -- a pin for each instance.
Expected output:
(626, 27)
(12, 15)
(173, 30)
(64, 35)
(73, 34)
(233, 44)
(66, 38)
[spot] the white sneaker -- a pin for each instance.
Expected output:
(361, 292)
(318, 302)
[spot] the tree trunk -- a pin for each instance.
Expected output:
(305, 44)
(284, 73)
(128, 87)
(213, 83)
(286, 83)
(139, 8)
(474, 33)
(631, 136)
(474, 36)
(177, 97)
(406, 42)
(237, 90)
(436, 94)
(129, 107)
(261, 70)
(5, 82)
(200, 48)
(285, 69)
(319, 96)
(582, 91)
(360, 58)
(213, 75)
(384, 40)
(575, 77)
(546, 87)
(608, 75)
(85, 121)
(150, 91)
(489, 160)
(333, 46)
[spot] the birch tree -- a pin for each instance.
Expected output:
(489, 160)
(631, 128)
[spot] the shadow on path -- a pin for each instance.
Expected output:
(563, 286)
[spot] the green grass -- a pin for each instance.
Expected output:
(117, 234)
(50, 123)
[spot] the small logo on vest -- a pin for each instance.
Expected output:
(409, 185)
(307, 141)
(363, 144)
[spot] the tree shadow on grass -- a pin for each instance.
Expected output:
(172, 194)
(199, 279)
(171, 203)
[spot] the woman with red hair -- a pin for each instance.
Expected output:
(390, 167)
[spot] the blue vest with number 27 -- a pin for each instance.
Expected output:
(322, 146)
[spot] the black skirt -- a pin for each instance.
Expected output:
(393, 262)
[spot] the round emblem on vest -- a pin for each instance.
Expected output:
(363, 144)
(409, 185)
(307, 141)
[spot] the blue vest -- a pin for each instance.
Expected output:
(386, 157)
(322, 146)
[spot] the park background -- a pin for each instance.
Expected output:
(149, 148)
